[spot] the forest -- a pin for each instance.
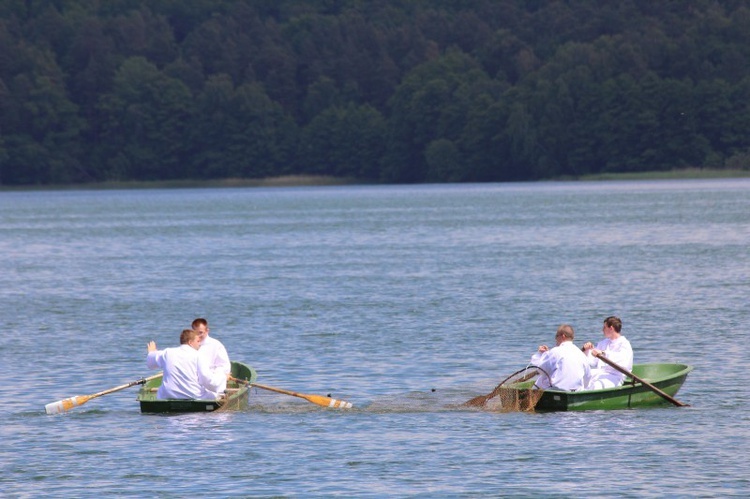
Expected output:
(400, 91)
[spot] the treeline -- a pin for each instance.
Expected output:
(386, 91)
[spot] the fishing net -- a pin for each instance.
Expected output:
(514, 400)
(516, 393)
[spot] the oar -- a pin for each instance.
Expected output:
(67, 404)
(656, 390)
(315, 399)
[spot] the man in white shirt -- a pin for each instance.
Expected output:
(186, 374)
(616, 348)
(565, 366)
(213, 351)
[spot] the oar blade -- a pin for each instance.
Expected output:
(65, 404)
(315, 399)
(328, 402)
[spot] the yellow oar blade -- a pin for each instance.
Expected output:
(327, 401)
(315, 399)
(66, 404)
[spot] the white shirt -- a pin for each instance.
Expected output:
(566, 365)
(186, 375)
(216, 355)
(217, 359)
(618, 351)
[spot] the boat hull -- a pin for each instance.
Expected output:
(667, 377)
(236, 399)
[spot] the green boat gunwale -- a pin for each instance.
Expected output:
(236, 398)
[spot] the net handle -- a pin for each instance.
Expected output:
(543, 371)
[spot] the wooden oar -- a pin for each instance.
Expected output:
(315, 399)
(656, 390)
(67, 404)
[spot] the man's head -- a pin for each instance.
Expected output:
(190, 337)
(564, 333)
(201, 326)
(612, 327)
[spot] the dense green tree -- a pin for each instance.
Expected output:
(346, 141)
(40, 125)
(444, 162)
(211, 129)
(185, 17)
(91, 62)
(188, 72)
(715, 113)
(260, 137)
(739, 126)
(507, 57)
(239, 132)
(206, 44)
(143, 135)
(522, 137)
(141, 33)
(677, 141)
(431, 103)
(401, 91)
(485, 147)
(321, 95)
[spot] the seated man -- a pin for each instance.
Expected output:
(213, 350)
(186, 374)
(565, 366)
(616, 348)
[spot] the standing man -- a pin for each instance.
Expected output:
(616, 348)
(186, 375)
(565, 366)
(213, 351)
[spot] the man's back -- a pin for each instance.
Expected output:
(566, 366)
(180, 365)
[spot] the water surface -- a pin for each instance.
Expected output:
(404, 300)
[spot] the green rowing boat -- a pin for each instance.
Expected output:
(632, 394)
(235, 398)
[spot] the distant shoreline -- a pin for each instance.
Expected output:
(324, 180)
(281, 181)
(675, 174)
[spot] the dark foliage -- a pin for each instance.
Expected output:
(397, 91)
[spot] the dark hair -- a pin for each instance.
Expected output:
(200, 321)
(614, 322)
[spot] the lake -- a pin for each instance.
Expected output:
(405, 301)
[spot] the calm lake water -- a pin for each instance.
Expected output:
(403, 300)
